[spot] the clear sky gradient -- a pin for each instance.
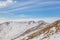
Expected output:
(16, 9)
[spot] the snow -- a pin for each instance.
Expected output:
(55, 37)
(12, 29)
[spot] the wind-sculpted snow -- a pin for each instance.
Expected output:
(30, 30)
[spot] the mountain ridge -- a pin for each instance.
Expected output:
(55, 24)
(28, 30)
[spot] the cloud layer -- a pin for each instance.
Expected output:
(24, 5)
(12, 7)
(5, 3)
(50, 20)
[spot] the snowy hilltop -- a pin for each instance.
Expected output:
(30, 30)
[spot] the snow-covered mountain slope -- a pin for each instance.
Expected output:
(12, 29)
(30, 30)
(50, 32)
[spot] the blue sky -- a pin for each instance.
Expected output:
(16, 9)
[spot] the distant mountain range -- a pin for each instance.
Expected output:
(30, 30)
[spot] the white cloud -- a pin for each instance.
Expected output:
(48, 20)
(51, 19)
(2, 19)
(5, 3)
(23, 6)
(23, 16)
